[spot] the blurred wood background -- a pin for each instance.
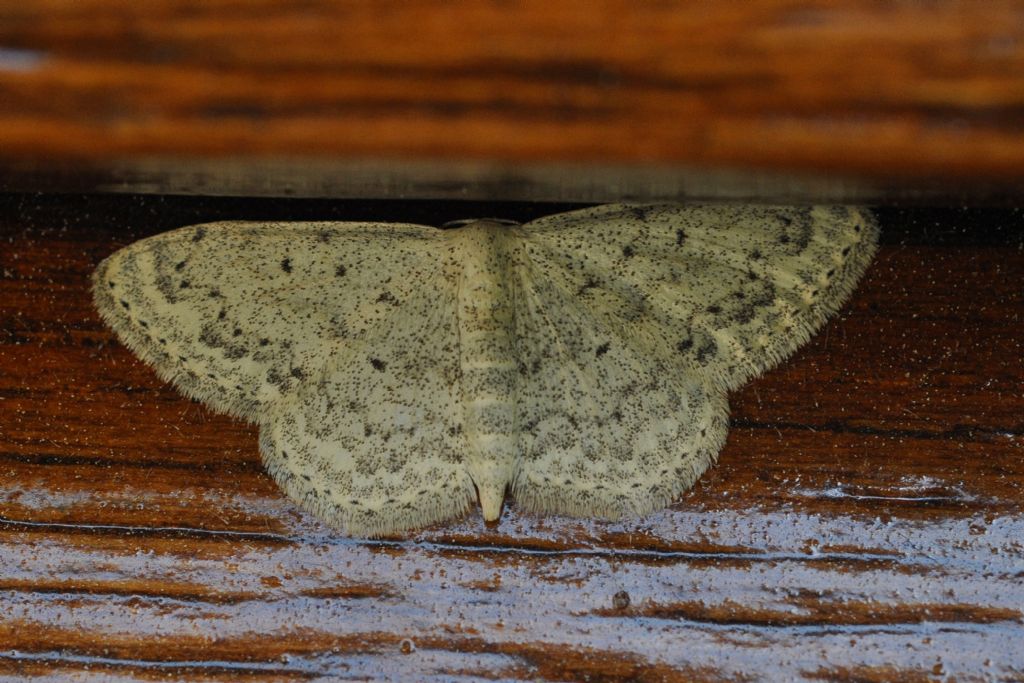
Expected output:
(860, 99)
(864, 523)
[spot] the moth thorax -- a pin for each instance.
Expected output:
(488, 360)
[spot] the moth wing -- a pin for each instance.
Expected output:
(726, 291)
(634, 321)
(238, 314)
(605, 428)
(376, 444)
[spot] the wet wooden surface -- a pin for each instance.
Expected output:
(876, 89)
(866, 520)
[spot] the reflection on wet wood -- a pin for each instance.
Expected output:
(864, 522)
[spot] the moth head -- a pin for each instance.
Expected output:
(463, 222)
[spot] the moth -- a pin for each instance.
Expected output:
(401, 373)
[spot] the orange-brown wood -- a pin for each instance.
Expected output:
(874, 88)
(865, 520)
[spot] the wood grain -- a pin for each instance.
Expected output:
(865, 521)
(879, 89)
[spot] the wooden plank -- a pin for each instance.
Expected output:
(879, 90)
(864, 522)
